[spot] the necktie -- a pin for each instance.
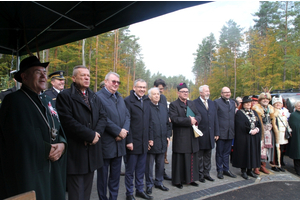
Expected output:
(205, 103)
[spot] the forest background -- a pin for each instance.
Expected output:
(265, 55)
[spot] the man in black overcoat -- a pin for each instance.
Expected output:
(209, 125)
(83, 119)
(138, 139)
(114, 137)
(33, 145)
(226, 116)
(185, 144)
(58, 84)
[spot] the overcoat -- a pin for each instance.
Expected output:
(25, 143)
(80, 124)
(226, 116)
(139, 133)
(209, 124)
(184, 140)
(117, 118)
(246, 149)
(159, 128)
(293, 147)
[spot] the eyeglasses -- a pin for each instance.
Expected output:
(185, 92)
(115, 82)
(226, 92)
(141, 87)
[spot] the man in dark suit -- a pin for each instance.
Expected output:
(113, 140)
(184, 115)
(83, 119)
(226, 116)
(58, 84)
(138, 139)
(209, 126)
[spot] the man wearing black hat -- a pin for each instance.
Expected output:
(32, 141)
(58, 84)
(184, 115)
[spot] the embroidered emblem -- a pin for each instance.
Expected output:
(52, 110)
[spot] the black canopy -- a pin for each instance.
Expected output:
(43, 25)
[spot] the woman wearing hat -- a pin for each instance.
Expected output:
(269, 131)
(246, 149)
(282, 124)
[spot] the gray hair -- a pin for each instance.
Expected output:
(138, 80)
(150, 90)
(75, 69)
(296, 103)
(110, 73)
(202, 86)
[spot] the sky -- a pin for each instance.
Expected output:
(168, 42)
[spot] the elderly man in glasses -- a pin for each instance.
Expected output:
(113, 140)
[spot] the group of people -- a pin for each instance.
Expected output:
(54, 140)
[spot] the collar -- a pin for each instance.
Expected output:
(58, 91)
(202, 99)
(139, 98)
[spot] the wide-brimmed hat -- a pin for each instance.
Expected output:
(246, 99)
(26, 63)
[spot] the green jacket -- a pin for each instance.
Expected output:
(25, 143)
(293, 147)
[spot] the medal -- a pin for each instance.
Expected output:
(53, 133)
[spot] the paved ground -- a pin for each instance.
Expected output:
(220, 188)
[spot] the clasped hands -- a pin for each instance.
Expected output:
(56, 151)
(122, 135)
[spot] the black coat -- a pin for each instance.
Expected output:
(52, 93)
(80, 124)
(246, 148)
(139, 133)
(3, 93)
(184, 140)
(25, 144)
(117, 118)
(159, 128)
(226, 116)
(209, 124)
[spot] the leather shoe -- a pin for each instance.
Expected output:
(281, 169)
(194, 184)
(166, 177)
(162, 187)
(179, 186)
(149, 190)
(143, 195)
(130, 197)
(251, 173)
(275, 169)
(228, 173)
(244, 175)
(201, 179)
(209, 178)
(220, 175)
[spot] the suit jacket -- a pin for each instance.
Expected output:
(226, 117)
(209, 124)
(80, 124)
(139, 133)
(184, 140)
(117, 118)
(52, 93)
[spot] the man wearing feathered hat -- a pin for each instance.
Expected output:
(270, 135)
(32, 141)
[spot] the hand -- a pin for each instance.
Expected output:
(96, 139)
(56, 151)
(118, 138)
(168, 142)
(193, 120)
(150, 144)
(130, 146)
(123, 133)
(216, 138)
(253, 132)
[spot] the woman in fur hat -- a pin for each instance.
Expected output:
(270, 134)
(282, 124)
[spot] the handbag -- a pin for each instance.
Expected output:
(287, 134)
